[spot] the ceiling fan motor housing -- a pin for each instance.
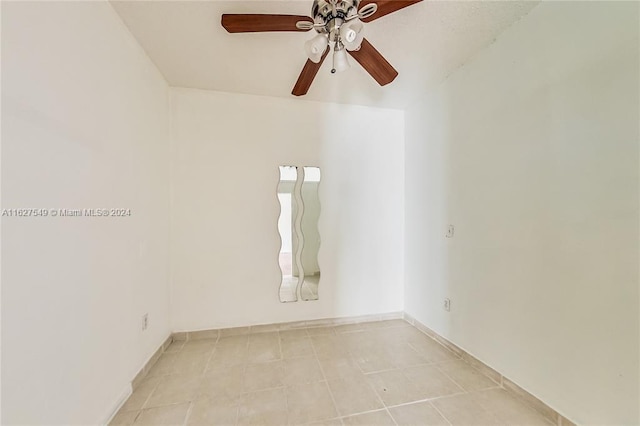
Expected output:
(328, 15)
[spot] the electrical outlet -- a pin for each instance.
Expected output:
(145, 322)
(450, 231)
(447, 305)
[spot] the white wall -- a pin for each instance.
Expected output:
(225, 240)
(531, 151)
(84, 125)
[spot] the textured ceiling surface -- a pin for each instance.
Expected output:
(425, 42)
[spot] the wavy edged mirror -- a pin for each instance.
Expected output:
(310, 233)
(288, 237)
(299, 235)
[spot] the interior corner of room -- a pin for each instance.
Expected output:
(489, 195)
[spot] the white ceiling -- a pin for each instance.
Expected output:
(425, 42)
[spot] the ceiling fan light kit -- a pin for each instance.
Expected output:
(352, 34)
(316, 47)
(339, 24)
(340, 62)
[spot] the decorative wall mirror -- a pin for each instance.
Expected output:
(288, 236)
(310, 233)
(299, 236)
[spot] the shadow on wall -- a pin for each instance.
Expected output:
(428, 212)
(532, 154)
(361, 220)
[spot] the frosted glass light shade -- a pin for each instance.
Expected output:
(351, 34)
(340, 62)
(316, 47)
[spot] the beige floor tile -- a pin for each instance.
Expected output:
(181, 336)
(296, 347)
(204, 335)
(225, 356)
(293, 333)
(265, 375)
(340, 367)
(528, 399)
(327, 345)
(348, 328)
(202, 345)
(373, 339)
(354, 395)
(496, 399)
(432, 381)
(220, 384)
(260, 338)
(507, 408)
(208, 411)
(309, 402)
(394, 388)
(264, 328)
(163, 416)
(398, 327)
(264, 347)
(380, 325)
(358, 341)
(417, 414)
(316, 331)
(174, 389)
(360, 338)
(463, 410)
(141, 394)
(224, 385)
(403, 355)
(466, 376)
(124, 418)
(175, 346)
(232, 332)
(267, 407)
(191, 363)
(393, 323)
(301, 370)
(164, 366)
(525, 416)
(372, 360)
(403, 334)
(374, 418)
(432, 351)
(264, 352)
(330, 422)
(238, 343)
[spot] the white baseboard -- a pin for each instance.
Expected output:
(124, 395)
(528, 398)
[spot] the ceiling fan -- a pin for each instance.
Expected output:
(339, 23)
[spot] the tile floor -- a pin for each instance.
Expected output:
(377, 373)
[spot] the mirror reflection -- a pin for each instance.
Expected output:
(310, 233)
(288, 236)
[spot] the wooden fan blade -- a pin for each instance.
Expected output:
(386, 7)
(375, 64)
(248, 23)
(307, 75)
